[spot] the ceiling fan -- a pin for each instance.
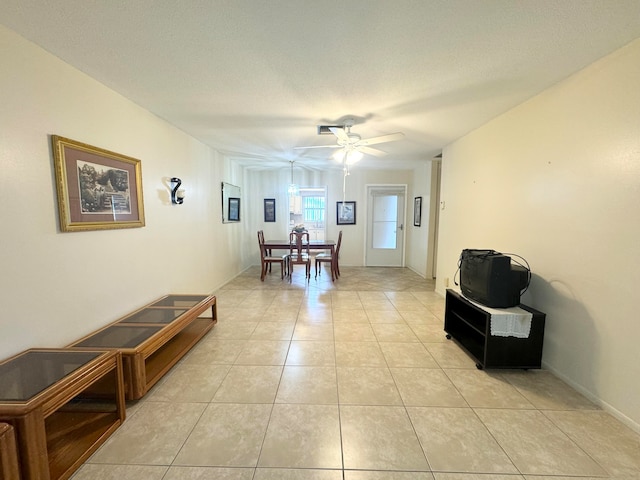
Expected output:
(351, 145)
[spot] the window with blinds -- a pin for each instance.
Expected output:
(313, 209)
(310, 209)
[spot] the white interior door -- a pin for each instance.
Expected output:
(385, 226)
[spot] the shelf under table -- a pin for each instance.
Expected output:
(62, 404)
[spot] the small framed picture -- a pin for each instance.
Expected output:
(234, 209)
(417, 211)
(269, 209)
(346, 213)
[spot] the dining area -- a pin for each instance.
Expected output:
(300, 250)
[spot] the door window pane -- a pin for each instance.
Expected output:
(385, 216)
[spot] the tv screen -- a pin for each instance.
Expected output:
(490, 278)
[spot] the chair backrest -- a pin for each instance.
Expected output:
(261, 243)
(339, 243)
(299, 243)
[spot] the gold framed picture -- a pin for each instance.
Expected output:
(97, 189)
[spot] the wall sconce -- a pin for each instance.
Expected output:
(177, 193)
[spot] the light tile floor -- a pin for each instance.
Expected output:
(354, 380)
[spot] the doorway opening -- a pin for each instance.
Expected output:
(386, 205)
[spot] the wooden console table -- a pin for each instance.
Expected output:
(153, 338)
(62, 405)
(9, 469)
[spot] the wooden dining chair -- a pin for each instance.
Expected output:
(267, 259)
(299, 253)
(332, 259)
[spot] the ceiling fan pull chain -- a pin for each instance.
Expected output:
(345, 169)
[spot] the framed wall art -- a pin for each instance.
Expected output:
(229, 191)
(234, 209)
(97, 189)
(417, 211)
(269, 209)
(346, 213)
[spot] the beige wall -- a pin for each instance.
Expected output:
(559, 176)
(57, 286)
(557, 180)
(273, 184)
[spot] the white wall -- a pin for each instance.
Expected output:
(418, 237)
(57, 287)
(273, 184)
(557, 180)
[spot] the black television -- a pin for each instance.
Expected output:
(492, 278)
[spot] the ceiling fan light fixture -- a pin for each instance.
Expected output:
(351, 146)
(339, 155)
(353, 156)
(348, 156)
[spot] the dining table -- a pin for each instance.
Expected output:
(313, 245)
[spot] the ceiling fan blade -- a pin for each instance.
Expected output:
(392, 137)
(340, 133)
(372, 151)
(317, 146)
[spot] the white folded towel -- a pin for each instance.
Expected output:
(508, 322)
(511, 325)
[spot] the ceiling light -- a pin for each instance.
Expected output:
(348, 156)
(293, 189)
(353, 156)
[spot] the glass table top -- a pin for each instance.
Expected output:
(154, 315)
(119, 336)
(179, 301)
(26, 375)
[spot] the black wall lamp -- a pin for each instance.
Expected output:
(177, 194)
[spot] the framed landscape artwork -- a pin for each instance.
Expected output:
(346, 213)
(97, 189)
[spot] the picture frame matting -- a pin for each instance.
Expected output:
(97, 189)
(345, 213)
(417, 211)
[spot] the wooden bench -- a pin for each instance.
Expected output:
(153, 338)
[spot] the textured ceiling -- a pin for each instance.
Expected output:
(254, 78)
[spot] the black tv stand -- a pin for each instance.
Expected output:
(469, 325)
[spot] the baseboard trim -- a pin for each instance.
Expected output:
(614, 412)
